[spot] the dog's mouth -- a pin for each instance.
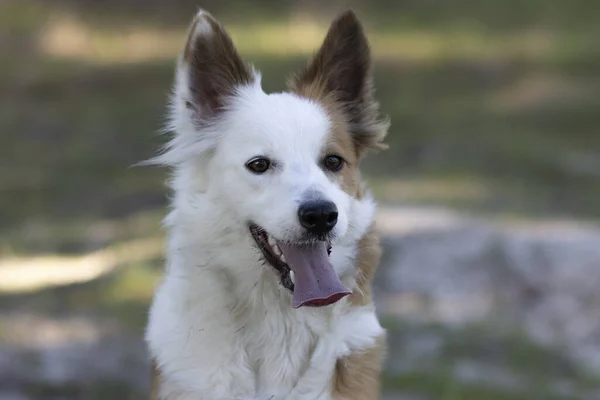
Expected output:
(304, 269)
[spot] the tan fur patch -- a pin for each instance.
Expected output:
(369, 256)
(154, 382)
(340, 143)
(357, 376)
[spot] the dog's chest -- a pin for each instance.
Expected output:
(280, 342)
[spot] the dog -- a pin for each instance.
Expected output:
(271, 241)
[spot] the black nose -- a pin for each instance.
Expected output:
(318, 217)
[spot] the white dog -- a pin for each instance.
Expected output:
(271, 248)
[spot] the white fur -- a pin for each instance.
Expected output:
(221, 326)
(202, 27)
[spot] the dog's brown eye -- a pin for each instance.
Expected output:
(258, 165)
(333, 163)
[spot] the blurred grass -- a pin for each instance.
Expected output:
(481, 362)
(97, 391)
(494, 108)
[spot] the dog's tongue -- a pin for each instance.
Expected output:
(315, 282)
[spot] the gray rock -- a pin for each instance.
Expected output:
(543, 278)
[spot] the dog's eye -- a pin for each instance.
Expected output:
(258, 165)
(333, 163)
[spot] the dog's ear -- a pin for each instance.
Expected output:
(209, 71)
(341, 70)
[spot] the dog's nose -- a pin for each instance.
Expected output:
(318, 217)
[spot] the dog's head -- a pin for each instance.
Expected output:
(284, 166)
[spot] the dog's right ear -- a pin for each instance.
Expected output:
(209, 72)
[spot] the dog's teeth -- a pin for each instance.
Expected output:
(272, 241)
(283, 258)
(292, 277)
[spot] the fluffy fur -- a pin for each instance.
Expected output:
(221, 325)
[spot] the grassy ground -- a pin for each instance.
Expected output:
(494, 108)
(480, 362)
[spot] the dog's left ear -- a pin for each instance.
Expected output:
(341, 70)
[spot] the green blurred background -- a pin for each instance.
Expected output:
(495, 110)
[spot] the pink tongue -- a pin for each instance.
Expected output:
(315, 282)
